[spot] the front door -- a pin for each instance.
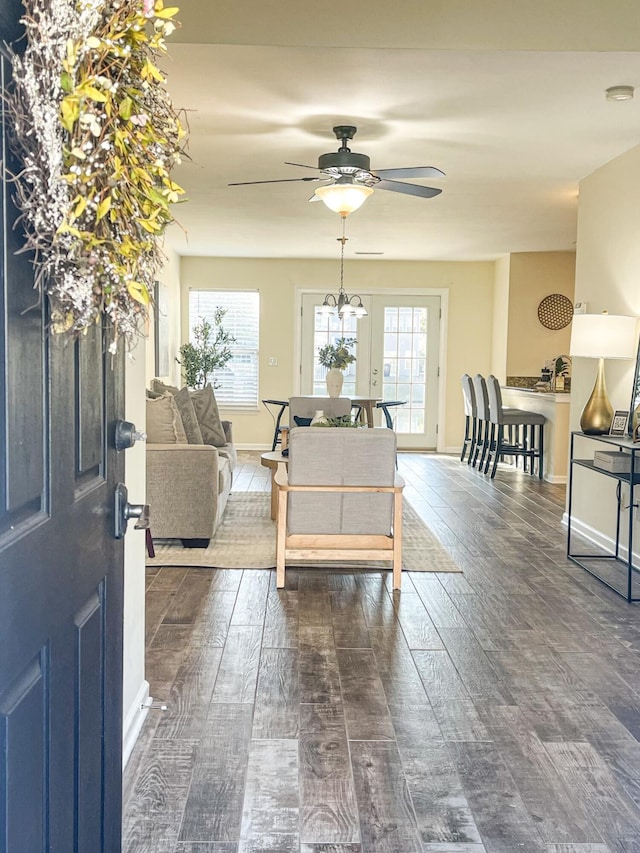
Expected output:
(61, 570)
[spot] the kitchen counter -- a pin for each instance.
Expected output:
(554, 405)
(560, 396)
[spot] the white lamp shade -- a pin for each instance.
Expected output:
(603, 336)
(344, 198)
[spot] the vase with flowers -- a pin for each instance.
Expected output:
(336, 358)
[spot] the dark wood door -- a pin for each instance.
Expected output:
(61, 569)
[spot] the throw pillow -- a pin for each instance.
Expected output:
(302, 421)
(188, 416)
(164, 425)
(159, 387)
(206, 408)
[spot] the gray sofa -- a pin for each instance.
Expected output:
(188, 486)
(190, 465)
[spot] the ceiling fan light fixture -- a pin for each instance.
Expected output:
(344, 198)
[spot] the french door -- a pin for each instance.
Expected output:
(396, 358)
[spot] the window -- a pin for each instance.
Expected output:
(236, 383)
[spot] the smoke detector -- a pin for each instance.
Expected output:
(619, 93)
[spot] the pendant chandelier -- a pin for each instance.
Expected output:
(342, 304)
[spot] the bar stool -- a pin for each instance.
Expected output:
(482, 421)
(525, 444)
(470, 417)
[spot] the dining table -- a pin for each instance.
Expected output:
(365, 403)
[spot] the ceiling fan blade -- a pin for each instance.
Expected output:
(408, 189)
(301, 165)
(279, 181)
(411, 172)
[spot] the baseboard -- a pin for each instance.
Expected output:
(598, 538)
(133, 721)
(261, 447)
(581, 529)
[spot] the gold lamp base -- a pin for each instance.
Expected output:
(598, 412)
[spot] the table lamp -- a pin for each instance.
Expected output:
(601, 336)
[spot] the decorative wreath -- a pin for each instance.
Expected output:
(97, 136)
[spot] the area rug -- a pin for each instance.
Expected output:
(246, 539)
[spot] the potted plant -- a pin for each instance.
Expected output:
(336, 357)
(207, 351)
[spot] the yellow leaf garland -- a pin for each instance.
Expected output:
(96, 248)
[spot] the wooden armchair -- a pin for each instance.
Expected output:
(341, 499)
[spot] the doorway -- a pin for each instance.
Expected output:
(397, 357)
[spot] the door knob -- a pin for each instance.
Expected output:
(124, 511)
(375, 371)
(374, 381)
(127, 435)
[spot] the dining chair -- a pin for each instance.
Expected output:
(306, 407)
(276, 413)
(385, 405)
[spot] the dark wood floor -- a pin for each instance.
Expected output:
(493, 711)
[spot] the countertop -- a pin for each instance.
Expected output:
(554, 396)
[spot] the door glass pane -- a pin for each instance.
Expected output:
(405, 347)
(391, 320)
(327, 330)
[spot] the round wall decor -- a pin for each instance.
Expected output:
(555, 311)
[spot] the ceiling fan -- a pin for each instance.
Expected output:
(348, 179)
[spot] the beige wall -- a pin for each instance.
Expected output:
(607, 265)
(500, 328)
(532, 276)
(470, 287)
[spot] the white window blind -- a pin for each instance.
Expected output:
(238, 381)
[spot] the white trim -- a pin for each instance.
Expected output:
(442, 292)
(260, 447)
(598, 538)
(442, 364)
(133, 722)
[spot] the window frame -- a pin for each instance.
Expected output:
(218, 297)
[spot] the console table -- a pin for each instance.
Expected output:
(617, 569)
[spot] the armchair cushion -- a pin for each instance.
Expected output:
(341, 457)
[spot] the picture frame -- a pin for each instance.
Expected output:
(619, 422)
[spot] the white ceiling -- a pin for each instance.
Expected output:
(514, 131)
